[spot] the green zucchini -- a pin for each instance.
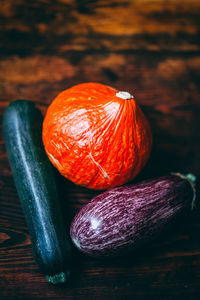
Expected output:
(35, 183)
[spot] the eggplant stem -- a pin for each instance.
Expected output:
(191, 178)
(58, 278)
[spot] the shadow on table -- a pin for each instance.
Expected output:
(173, 244)
(174, 238)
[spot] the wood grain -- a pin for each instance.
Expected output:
(99, 25)
(149, 48)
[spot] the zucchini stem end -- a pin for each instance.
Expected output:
(58, 278)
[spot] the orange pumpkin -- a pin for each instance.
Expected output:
(96, 136)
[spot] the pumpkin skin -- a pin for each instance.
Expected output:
(96, 136)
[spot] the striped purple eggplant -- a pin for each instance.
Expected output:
(126, 217)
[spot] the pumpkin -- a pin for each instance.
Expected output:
(96, 136)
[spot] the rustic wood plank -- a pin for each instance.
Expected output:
(36, 26)
(149, 48)
(155, 267)
(167, 89)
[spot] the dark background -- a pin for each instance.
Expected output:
(149, 48)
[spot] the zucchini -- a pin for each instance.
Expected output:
(35, 183)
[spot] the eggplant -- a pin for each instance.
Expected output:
(36, 187)
(124, 218)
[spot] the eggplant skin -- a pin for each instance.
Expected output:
(124, 218)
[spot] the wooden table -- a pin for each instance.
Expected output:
(149, 48)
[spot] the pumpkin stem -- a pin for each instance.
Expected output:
(124, 95)
(58, 278)
(191, 178)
